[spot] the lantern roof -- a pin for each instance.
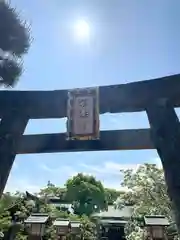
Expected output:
(61, 222)
(156, 220)
(37, 218)
(75, 224)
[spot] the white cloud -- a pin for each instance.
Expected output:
(67, 170)
(18, 184)
(107, 172)
(64, 171)
(111, 168)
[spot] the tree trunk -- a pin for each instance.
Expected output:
(165, 133)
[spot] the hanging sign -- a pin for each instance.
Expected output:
(83, 114)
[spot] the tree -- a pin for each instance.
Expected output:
(6, 200)
(112, 195)
(5, 221)
(87, 194)
(148, 195)
(5, 218)
(14, 43)
(53, 191)
(24, 204)
(147, 190)
(87, 229)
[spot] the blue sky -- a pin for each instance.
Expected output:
(129, 41)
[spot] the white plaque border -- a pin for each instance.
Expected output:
(81, 92)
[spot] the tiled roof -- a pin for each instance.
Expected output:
(37, 218)
(113, 212)
(111, 221)
(156, 221)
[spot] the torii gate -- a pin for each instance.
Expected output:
(157, 97)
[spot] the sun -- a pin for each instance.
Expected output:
(82, 30)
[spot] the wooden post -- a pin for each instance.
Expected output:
(165, 133)
(12, 127)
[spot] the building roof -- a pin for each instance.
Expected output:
(52, 197)
(62, 205)
(156, 221)
(57, 199)
(37, 218)
(61, 222)
(112, 212)
(31, 196)
(112, 222)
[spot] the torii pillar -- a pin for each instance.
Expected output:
(165, 133)
(12, 127)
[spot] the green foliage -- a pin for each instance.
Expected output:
(148, 194)
(87, 194)
(52, 190)
(87, 228)
(91, 194)
(14, 42)
(148, 191)
(21, 235)
(50, 233)
(6, 200)
(5, 221)
(24, 207)
(112, 195)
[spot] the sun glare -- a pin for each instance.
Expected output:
(82, 30)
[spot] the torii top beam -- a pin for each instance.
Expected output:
(130, 97)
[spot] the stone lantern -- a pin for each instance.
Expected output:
(156, 227)
(36, 224)
(75, 228)
(63, 228)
